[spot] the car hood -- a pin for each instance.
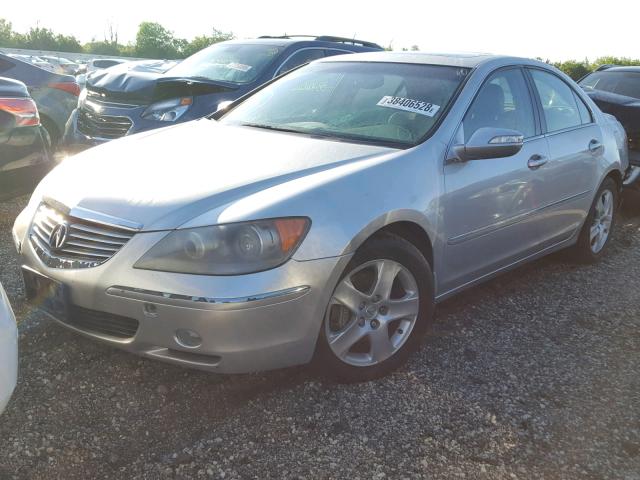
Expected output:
(625, 109)
(164, 178)
(123, 83)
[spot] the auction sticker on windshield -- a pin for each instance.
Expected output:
(239, 66)
(409, 105)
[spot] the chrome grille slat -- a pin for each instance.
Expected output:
(85, 253)
(77, 243)
(100, 231)
(87, 243)
(113, 241)
(103, 126)
(41, 236)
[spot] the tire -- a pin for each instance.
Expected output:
(378, 313)
(52, 133)
(589, 249)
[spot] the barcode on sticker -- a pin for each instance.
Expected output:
(409, 105)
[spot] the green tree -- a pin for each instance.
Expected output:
(6, 34)
(575, 69)
(204, 41)
(68, 43)
(155, 41)
(104, 47)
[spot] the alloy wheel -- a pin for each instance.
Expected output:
(602, 220)
(372, 312)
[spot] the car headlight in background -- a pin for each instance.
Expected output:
(168, 110)
(231, 249)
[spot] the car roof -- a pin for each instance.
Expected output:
(629, 68)
(311, 41)
(467, 60)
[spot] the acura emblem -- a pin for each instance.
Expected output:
(58, 236)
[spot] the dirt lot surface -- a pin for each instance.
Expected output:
(533, 375)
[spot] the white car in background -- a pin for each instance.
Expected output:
(8, 350)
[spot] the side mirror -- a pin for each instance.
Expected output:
(489, 142)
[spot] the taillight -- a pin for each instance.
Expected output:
(70, 87)
(24, 109)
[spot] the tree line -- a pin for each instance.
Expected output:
(155, 41)
(152, 41)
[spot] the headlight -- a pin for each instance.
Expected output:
(231, 249)
(168, 110)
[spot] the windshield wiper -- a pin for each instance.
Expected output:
(273, 127)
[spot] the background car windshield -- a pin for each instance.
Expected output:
(227, 62)
(622, 83)
(378, 102)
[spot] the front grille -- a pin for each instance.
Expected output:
(102, 323)
(85, 243)
(108, 127)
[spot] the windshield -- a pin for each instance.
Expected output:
(228, 62)
(377, 102)
(622, 83)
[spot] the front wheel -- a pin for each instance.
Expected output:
(598, 227)
(378, 312)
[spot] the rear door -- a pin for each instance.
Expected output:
(575, 148)
(490, 210)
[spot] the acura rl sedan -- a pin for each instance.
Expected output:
(323, 216)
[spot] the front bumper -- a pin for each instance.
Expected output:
(246, 323)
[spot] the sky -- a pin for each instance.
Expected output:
(551, 29)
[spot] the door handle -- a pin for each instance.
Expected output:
(536, 161)
(594, 145)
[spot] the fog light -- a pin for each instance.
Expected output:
(188, 338)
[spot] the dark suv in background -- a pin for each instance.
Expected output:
(121, 101)
(616, 90)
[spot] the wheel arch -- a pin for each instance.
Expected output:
(407, 224)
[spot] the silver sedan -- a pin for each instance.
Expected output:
(324, 215)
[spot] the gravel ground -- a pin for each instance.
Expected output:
(532, 375)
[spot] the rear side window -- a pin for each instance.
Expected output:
(300, 58)
(5, 65)
(502, 102)
(558, 102)
(585, 113)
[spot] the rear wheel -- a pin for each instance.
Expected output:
(378, 312)
(598, 227)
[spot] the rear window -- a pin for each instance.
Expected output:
(105, 63)
(621, 83)
(5, 65)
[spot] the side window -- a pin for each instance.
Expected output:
(503, 102)
(558, 101)
(299, 58)
(585, 113)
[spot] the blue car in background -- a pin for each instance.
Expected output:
(122, 100)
